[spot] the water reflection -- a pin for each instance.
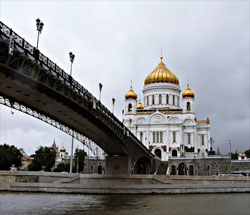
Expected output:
(25, 203)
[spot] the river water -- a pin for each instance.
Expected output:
(50, 204)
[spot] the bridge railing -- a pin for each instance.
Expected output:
(55, 70)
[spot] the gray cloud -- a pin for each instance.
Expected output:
(204, 42)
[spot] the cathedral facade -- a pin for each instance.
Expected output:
(167, 128)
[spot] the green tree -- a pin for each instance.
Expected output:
(234, 155)
(247, 153)
(43, 157)
(63, 167)
(79, 159)
(9, 155)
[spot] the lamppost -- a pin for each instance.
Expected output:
(113, 102)
(39, 27)
(71, 57)
(100, 89)
(77, 167)
(230, 142)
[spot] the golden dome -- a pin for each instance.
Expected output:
(188, 93)
(139, 105)
(131, 94)
(161, 74)
(62, 149)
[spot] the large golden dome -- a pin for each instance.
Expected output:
(139, 105)
(131, 94)
(188, 93)
(161, 74)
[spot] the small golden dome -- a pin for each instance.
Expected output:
(62, 149)
(139, 105)
(161, 74)
(188, 93)
(131, 94)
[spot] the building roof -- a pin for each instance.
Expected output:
(161, 74)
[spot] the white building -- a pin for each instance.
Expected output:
(162, 125)
(61, 154)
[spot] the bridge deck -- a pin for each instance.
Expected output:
(29, 78)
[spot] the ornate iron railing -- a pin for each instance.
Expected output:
(7, 34)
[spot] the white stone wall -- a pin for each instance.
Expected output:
(181, 123)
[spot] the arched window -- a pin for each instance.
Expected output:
(129, 107)
(182, 169)
(99, 169)
(188, 106)
(153, 99)
(173, 99)
(174, 153)
(147, 101)
(173, 170)
(158, 153)
(191, 170)
(178, 101)
(167, 100)
(153, 137)
(160, 99)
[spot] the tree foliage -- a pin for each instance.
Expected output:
(234, 155)
(247, 153)
(79, 159)
(9, 155)
(63, 167)
(43, 157)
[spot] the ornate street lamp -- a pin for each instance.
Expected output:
(71, 57)
(100, 90)
(113, 102)
(39, 27)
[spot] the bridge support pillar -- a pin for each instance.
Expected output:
(117, 165)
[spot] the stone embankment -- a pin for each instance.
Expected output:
(120, 184)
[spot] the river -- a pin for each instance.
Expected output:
(187, 204)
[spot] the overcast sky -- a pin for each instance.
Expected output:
(204, 42)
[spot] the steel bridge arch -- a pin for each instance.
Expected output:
(90, 144)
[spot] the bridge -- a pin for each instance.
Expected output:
(32, 83)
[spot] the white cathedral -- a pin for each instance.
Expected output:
(162, 125)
